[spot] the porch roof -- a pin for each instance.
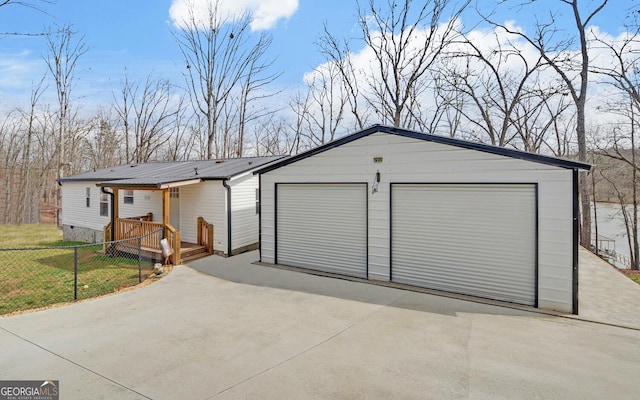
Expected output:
(148, 183)
(152, 174)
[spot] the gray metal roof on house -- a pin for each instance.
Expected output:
(519, 154)
(158, 173)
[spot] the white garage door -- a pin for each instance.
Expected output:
(322, 227)
(475, 239)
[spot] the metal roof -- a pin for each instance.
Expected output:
(156, 174)
(519, 154)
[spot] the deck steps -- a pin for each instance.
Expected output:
(193, 253)
(188, 252)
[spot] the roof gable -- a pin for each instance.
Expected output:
(518, 154)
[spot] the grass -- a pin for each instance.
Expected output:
(39, 278)
(29, 236)
(633, 275)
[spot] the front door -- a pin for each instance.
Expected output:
(174, 210)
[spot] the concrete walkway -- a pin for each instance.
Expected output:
(605, 295)
(250, 331)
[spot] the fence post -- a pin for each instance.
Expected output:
(140, 259)
(75, 273)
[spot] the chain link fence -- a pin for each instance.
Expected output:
(38, 277)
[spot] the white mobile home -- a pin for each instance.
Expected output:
(394, 205)
(188, 197)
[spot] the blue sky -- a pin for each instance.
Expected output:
(136, 35)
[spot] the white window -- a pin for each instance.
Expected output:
(128, 197)
(104, 205)
(88, 197)
(174, 193)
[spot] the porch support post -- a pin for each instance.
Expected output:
(166, 217)
(116, 204)
(116, 214)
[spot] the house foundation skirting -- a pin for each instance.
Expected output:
(73, 233)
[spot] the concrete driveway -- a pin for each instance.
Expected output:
(254, 332)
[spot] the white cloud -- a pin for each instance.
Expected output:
(21, 70)
(18, 68)
(266, 13)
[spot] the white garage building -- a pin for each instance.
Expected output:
(394, 205)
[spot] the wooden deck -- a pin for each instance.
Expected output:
(150, 234)
(188, 251)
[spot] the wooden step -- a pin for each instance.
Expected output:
(193, 253)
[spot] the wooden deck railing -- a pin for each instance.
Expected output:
(205, 234)
(148, 217)
(127, 228)
(173, 236)
(130, 228)
(106, 235)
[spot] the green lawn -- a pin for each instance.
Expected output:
(29, 235)
(636, 279)
(38, 278)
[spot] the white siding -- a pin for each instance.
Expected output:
(209, 201)
(244, 218)
(144, 201)
(76, 213)
(413, 160)
(74, 208)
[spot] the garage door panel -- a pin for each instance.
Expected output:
(466, 238)
(323, 227)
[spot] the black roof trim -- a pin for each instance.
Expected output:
(519, 154)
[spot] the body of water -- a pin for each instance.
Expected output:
(611, 225)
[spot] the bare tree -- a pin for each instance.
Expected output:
(558, 53)
(538, 117)
(181, 145)
(320, 111)
(623, 75)
(104, 147)
(11, 142)
(253, 90)
(30, 184)
(220, 55)
(274, 136)
(405, 39)
(502, 91)
(405, 43)
(340, 55)
(620, 147)
(147, 113)
(62, 61)
(447, 116)
(37, 5)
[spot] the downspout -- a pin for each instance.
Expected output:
(113, 220)
(224, 183)
(260, 217)
(576, 239)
